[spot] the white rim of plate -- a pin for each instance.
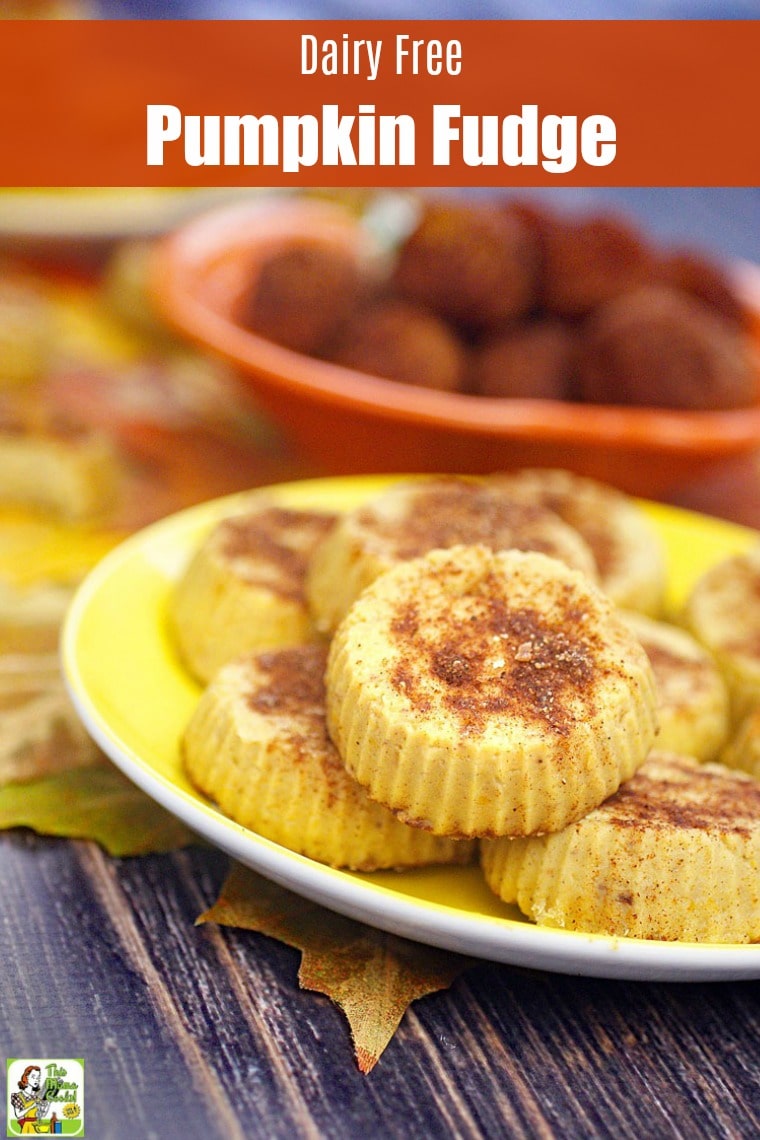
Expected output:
(504, 940)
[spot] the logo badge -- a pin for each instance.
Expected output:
(45, 1096)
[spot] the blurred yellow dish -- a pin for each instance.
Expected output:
(34, 549)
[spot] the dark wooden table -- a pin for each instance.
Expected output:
(201, 1032)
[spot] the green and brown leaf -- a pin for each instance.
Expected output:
(96, 803)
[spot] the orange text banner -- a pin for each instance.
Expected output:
(371, 103)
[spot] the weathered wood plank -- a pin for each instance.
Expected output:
(202, 1031)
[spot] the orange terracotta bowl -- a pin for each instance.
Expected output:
(344, 422)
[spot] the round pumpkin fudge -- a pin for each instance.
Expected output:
(481, 693)
(723, 613)
(743, 749)
(673, 854)
(52, 463)
(411, 518)
(692, 698)
(244, 588)
(257, 744)
(629, 553)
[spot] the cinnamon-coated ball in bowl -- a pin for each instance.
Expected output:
(343, 420)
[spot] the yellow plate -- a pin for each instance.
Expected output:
(135, 698)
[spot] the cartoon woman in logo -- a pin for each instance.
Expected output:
(29, 1104)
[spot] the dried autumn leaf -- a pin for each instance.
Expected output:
(40, 732)
(371, 975)
(96, 803)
